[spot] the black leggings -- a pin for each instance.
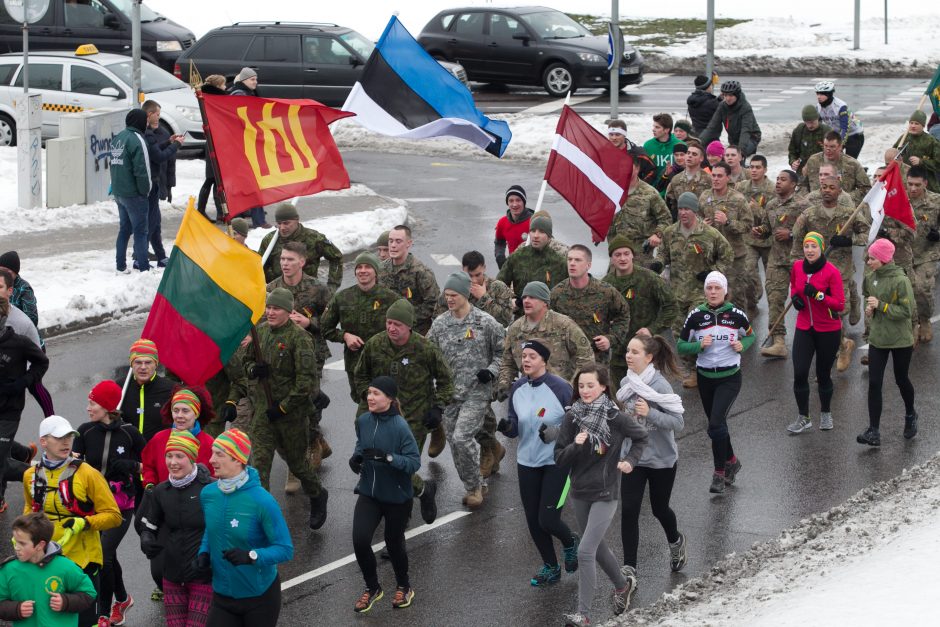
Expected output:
(112, 577)
(853, 145)
(90, 615)
(825, 345)
(877, 363)
(718, 395)
(632, 487)
(366, 518)
(247, 612)
(540, 489)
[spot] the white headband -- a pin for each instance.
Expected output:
(613, 130)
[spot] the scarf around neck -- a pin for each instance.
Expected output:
(233, 483)
(639, 385)
(185, 481)
(52, 465)
(593, 417)
(812, 267)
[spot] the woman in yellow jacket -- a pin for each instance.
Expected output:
(75, 497)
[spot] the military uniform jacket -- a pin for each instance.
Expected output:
(927, 216)
(757, 197)
(681, 182)
(704, 249)
(901, 235)
(740, 220)
(644, 214)
(651, 302)
(355, 311)
(310, 298)
(318, 247)
(854, 179)
(805, 143)
(418, 367)
(570, 347)
(533, 264)
(469, 345)
(415, 282)
(927, 148)
(599, 309)
(497, 301)
(290, 352)
(781, 214)
(828, 222)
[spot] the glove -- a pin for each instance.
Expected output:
(882, 233)
(485, 376)
(125, 466)
(238, 557)
(840, 241)
(76, 524)
(275, 412)
(933, 235)
(375, 455)
(259, 371)
(149, 544)
(810, 291)
(657, 267)
(229, 412)
(798, 302)
(355, 463)
(542, 428)
(432, 419)
(203, 565)
(701, 276)
(500, 260)
(322, 401)
(503, 426)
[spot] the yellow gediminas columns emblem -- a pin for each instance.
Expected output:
(304, 165)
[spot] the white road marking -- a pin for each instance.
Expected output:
(349, 559)
(427, 199)
(932, 320)
(445, 259)
(557, 104)
(793, 92)
(879, 107)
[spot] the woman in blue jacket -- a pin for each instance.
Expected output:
(386, 457)
(245, 538)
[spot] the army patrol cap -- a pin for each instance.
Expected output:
(240, 226)
(368, 258)
(810, 113)
(541, 223)
(537, 289)
(286, 211)
(280, 297)
(919, 117)
(459, 282)
(402, 311)
(619, 242)
(688, 200)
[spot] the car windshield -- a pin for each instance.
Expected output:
(146, 13)
(358, 43)
(554, 25)
(152, 78)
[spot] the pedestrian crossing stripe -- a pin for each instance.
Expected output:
(62, 108)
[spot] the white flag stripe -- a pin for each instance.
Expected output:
(590, 168)
(876, 203)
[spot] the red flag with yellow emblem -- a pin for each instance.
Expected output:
(265, 150)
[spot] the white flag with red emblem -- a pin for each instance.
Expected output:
(889, 198)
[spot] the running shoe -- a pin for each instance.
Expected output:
(157, 595)
(368, 599)
(871, 437)
(622, 596)
(571, 555)
(428, 504)
(119, 610)
(801, 424)
(825, 421)
(732, 468)
(103, 621)
(577, 620)
(718, 483)
(677, 554)
(910, 426)
(546, 576)
(403, 597)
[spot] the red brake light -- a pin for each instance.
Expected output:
(176, 71)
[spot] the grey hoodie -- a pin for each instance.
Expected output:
(661, 450)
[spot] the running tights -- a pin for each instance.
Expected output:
(877, 363)
(594, 520)
(366, 518)
(248, 612)
(540, 489)
(632, 487)
(718, 395)
(825, 346)
(112, 577)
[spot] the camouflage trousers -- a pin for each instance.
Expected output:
(289, 436)
(739, 284)
(751, 258)
(923, 279)
(462, 422)
(486, 436)
(778, 291)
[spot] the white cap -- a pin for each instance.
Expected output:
(717, 278)
(56, 426)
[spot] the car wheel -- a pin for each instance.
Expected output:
(558, 80)
(7, 130)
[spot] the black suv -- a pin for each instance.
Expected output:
(526, 45)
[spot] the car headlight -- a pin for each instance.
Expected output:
(169, 46)
(590, 57)
(190, 113)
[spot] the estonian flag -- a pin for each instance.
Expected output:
(405, 93)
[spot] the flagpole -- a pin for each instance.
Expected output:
(538, 203)
(848, 223)
(210, 156)
(920, 105)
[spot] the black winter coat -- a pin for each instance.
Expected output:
(16, 352)
(125, 443)
(739, 121)
(162, 153)
(702, 107)
(156, 394)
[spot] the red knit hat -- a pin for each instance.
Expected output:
(107, 394)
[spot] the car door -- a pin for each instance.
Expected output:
(468, 47)
(330, 69)
(45, 78)
(512, 51)
(92, 21)
(90, 88)
(276, 59)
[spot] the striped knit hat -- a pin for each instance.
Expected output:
(184, 442)
(234, 443)
(144, 348)
(816, 237)
(187, 397)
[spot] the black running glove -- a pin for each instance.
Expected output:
(432, 419)
(485, 376)
(933, 235)
(840, 241)
(238, 557)
(798, 302)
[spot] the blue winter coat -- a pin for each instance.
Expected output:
(387, 482)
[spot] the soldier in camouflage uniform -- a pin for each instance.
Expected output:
(554, 243)
(381, 246)
(596, 307)
(220, 388)
(855, 181)
(926, 206)
(491, 295)
(693, 179)
(806, 139)
(535, 262)
(471, 341)
(691, 249)
(425, 384)
(758, 189)
(290, 229)
(652, 306)
(728, 211)
(570, 347)
(357, 313)
(642, 219)
(409, 278)
(286, 370)
(737, 173)
(922, 149)
(775, 226)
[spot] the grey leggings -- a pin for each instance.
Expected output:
(594, 518)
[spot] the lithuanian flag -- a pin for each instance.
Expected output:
(211, 293)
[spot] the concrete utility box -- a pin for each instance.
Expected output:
(96, 128)
(65, 174)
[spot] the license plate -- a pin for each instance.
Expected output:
(629, 70)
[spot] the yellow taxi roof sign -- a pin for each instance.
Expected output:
(86, 49)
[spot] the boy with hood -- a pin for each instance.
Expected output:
(735, 115)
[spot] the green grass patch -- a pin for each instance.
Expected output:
(651, 34)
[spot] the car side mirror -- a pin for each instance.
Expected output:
(111, 20)
(111, 92)
(354, 61)
(524, 38)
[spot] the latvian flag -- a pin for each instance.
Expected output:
(588, 171)
(405, 93)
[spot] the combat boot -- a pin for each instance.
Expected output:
(690, 380)
(474, 498)
(318, 509)
(845, 355)
(292, 485)
(926, 331)
(499, 453)
(438, 442)
(855, 311)
(777, 349)
(325, 449)
(486, 461)
(314, 455)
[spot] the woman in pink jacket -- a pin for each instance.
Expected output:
(816, 292)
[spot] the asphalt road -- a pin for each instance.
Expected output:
(475, 568)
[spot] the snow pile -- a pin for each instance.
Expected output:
(873, 544)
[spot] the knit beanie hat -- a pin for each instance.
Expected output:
(810, 113)
(680, 147)
(11, 261)
(240, 226)
(715, 277)
(144, 348)
(184, 442)
(107, 394)
(537, 289)
(245, 74)
(383, 239)
(286, 211)
(280, 297)
(685, 125)
(234, 443)
(816, 237)
(882, 250)
(918, 116)
(619, 241)
(187, 397)
(688, 200)
(369, 259)
(541, 223)
(516, 190)
(538, 347)
(715, 149)
(701, 81)
(402, 311)
(386, 385)
(459, 282)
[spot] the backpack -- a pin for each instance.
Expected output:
(65, 488)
